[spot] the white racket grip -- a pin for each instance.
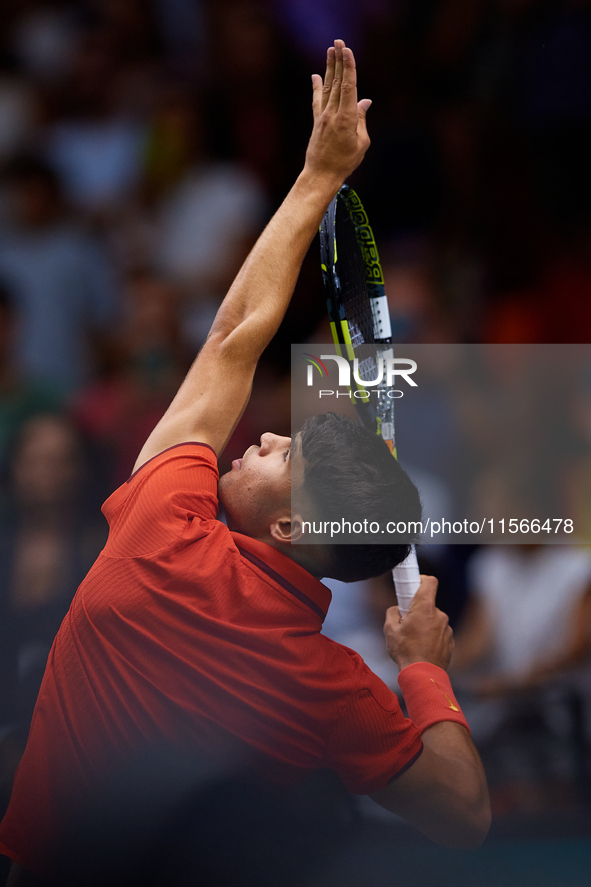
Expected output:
(406, 580)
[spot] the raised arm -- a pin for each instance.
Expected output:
(216, 390)
(444, 793)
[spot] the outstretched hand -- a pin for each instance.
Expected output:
(424, 635)
(339, 139)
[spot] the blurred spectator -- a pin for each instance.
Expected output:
(18, 400)
(209, 217)
(554, 305)
(175, 140)
(60, 280)
(17, 110)
(98, 159)
(144, 362)
(44, 37)
(416, 303)
(46, 548)
(96, 142)
(519, 654)
(529, 616)
(183, 28)
(257, 95)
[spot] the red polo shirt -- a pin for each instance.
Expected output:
(186, 633)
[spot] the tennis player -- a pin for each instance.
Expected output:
(206, 636)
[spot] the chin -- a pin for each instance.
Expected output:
(223, 484)
(224, 498)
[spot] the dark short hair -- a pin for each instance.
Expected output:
(349, 473)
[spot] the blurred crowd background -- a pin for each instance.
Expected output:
(143, 145)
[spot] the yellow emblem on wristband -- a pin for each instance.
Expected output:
(451, 705)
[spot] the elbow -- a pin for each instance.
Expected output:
(470, 836)
(484, 821)
(470, 828)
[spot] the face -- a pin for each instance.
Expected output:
(256, 493)
(47, 469)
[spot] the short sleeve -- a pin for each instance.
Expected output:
(162, 500)
(372, 742)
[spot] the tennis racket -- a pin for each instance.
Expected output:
(359, 315)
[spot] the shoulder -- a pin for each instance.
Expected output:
(164, 495)
(191, 453)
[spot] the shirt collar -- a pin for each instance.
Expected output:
(286, 572)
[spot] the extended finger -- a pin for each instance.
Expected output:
(317, 106)
(328, 76)
(335, 90)
(362, 108)
(348, 97)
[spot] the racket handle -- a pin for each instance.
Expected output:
(406, 580)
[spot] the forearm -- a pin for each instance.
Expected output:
(258, 299)
(453, 744)
(444, 793)
(256, 303)
(433, 707)
(215, 392)
(458, 814)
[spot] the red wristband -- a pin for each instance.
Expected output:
(428, 695)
